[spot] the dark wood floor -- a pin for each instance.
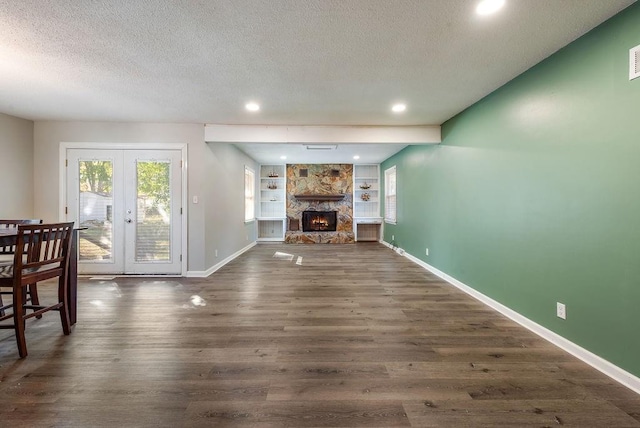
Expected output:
(355, 336)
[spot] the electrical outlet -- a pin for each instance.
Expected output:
(216, 253)
(561, 310)
(426, 252)
(393, 237)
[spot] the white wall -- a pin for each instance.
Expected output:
(215, 176)
(16, 146)
(225, 228)
(49, 135)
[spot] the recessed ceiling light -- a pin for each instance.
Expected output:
(252, 106)
(399, 108)
(356, 157)
(487, 7)
(283, 157)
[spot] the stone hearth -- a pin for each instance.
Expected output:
(292, 237)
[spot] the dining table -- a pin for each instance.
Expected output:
(9, 236)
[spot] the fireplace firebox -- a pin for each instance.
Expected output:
(319, 221)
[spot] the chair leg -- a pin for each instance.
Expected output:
(18, 320)
(64, 309)
(33, 294)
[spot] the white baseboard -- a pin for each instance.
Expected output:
(396, 249)
(212, 269)
(616, 373)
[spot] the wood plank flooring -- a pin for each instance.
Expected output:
(354, 336)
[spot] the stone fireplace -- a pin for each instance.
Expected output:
(319, 221)
(320, 201)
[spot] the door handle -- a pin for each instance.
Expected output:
(128, 220)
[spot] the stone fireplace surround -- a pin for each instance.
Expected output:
(320, 187)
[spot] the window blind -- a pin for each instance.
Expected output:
(390, 199)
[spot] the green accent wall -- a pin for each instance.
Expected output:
(533, 196)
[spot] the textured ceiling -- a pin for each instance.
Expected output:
(307, 62)
(323, 62)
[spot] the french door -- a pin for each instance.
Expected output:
(130, 203)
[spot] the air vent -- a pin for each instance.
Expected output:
(321, 147)
(634, 62)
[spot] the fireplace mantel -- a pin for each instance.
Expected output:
(317, 197)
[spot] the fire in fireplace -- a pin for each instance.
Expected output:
(319, 221)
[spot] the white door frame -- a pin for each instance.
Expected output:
(64, 146)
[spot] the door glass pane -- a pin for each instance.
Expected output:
(96, 210)
(153, 225)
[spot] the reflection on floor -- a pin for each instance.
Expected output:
(282, 256)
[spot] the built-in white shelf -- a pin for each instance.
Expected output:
(367, 222)
(273, 199)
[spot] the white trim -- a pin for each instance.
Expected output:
(212, 269)
(616, 373)
(387, 173)
(123, 146)
(131, 146)
(322, 134)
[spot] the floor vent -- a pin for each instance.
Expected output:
(634, 62)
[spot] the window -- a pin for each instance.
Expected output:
(390, 202)
(249, 194)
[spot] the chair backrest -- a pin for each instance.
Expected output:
(13, 224)
(42, 252)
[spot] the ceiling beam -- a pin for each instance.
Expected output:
(322, 134)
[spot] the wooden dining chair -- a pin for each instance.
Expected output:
(6, 258)
(42, 252)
